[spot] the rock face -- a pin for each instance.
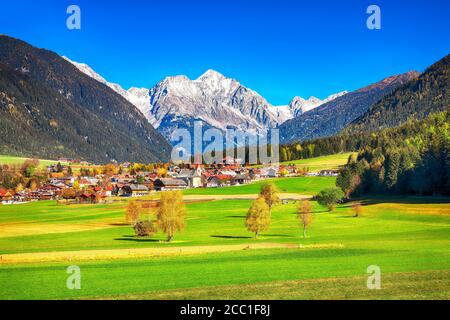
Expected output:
(50, 109)
(333, 116)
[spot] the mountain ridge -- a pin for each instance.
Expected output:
(130, 137)
(416, 99)
(216, 100)
(333, 116)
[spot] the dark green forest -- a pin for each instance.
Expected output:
(411, 159)
(415, 100)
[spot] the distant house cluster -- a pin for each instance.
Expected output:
(132, 183)
(324, 173)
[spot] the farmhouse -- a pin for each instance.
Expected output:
(269, 173)
(163, 184)
(5, 196)
(219, 180)
(87, 197)
(135, 190)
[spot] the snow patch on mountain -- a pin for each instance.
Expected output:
(299, 105)
(216, 100)
(139, 97)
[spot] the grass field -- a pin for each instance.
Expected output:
(333, 161)
(18, 160)
(302, 185)
(216, 258)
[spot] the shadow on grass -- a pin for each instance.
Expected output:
(241, 217)
(119, 224)
(317, 211)
(402, 200)
(136, 239)
(230, 237)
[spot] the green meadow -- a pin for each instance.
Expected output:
(215, 257)
(301, 185)
(19, 160)
(333, 161)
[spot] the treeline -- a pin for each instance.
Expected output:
(417, 99)
(345, 142)
(324, 146)
(411, 159)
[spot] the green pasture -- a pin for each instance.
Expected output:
(333, 161)
(301, 185)
(408, 236)
(12, 160)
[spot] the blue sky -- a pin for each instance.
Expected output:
(279, 48)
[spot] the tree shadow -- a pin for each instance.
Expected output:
(136, 239)
(235, 217)
(230, 237)
(119, 224)
(402, 200)
(317, 211)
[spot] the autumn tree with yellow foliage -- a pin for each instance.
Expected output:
(132, 213)
(269, 193)
(258, 217)
(304, 215)
(171, 213)
(161, 172)
(140, 219)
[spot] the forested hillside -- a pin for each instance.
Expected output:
(411, 159)
(49, 109)
(414, 100)
(330, 118)
(418, 98)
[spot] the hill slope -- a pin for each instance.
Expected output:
(332, 117)
(50, 109)
(418, 98)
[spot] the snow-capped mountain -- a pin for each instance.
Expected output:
(218, 101)
(298, 106)
(90, 72)
(212, 98)
(139, 97)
